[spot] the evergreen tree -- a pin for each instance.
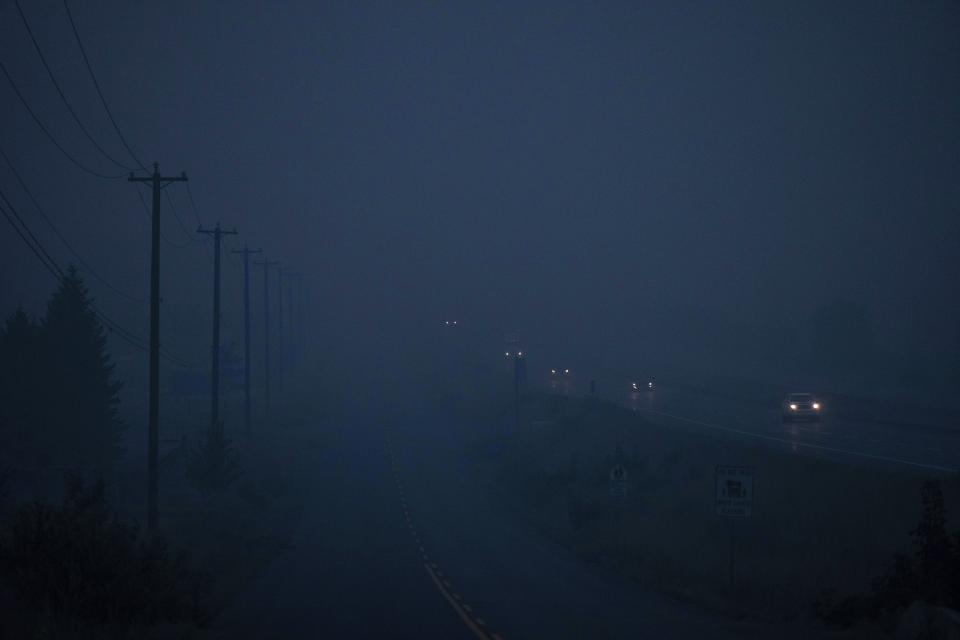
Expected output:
(933, 545)
(21, 367)
(212, 468)
(83, 395)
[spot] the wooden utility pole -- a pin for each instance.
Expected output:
(217, 234)
(292, 277)
(157, 183)
(280, 273)
(266, 332)
(246, 334)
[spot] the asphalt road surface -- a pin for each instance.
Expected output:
(842, 434)
(399, 540)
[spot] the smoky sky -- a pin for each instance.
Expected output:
(586, 173)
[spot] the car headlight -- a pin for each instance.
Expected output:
(816, 405)
(793, 407)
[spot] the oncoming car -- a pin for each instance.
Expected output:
(802, 406)
(638, 386)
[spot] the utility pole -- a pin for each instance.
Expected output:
(519, 374)
(280, 273)
(217, 234)
(266, 331)
(291, 325)
(157, 182)
(246, 334)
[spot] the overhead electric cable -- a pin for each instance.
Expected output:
(37, 248)
(59, 235)
(43, 127)
(63, 97)
(103, 100)
(163, 237)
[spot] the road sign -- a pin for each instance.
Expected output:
(618, 481)
(734, 491)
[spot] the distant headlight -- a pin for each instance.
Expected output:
(553, 372)
(650, 384)
(816, 405)
(566, 370)
(793, 407)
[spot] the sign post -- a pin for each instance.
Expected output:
(618, 490)
(734, 490)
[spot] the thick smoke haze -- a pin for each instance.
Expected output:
(567, 319)
(605, 179)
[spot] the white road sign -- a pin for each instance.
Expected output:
(734, 491)
(618, 481)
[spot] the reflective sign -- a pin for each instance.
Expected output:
(735, 491)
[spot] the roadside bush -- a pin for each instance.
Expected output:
(212, 467)
(931, 574)
(77, 566)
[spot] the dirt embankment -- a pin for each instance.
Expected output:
(817, 525)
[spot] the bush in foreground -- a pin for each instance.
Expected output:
(76, 568)
(930, 575)
(212, 467)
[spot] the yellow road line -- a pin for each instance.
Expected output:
(456, 607)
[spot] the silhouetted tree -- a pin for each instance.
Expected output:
(83, 400)
(212, 468)
(932, 545)
(932, 575)
(21, 373)
(78, 566)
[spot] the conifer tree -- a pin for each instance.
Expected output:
(83, 395)
(21, 441)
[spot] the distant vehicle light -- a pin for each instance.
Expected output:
(793, 407)
(566, 370)
(553, 372)
(519, 354)
(650, 385)
(816, 405)
(507, 354)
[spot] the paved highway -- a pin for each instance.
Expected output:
(401, 541)
(868, 439)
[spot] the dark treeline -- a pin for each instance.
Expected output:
(58, 393)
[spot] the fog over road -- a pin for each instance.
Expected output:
(386, 488)
(865, 440)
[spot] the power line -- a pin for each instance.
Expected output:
(63, 97)
(193, 205)
(59, 235)
(173, 210)
(37, 248)
(53, 269)
(48, 262)
(33, 239)
(103, 100)
(175, 245)
(70, 157)
(196, 214)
